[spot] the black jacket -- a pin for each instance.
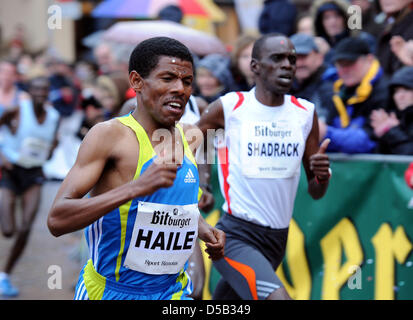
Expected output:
(277, 16)
(316, 90)
(403, 26)
(399, 140)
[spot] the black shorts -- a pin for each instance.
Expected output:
(20, 179)
(252, 254)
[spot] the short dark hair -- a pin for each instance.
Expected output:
(145, 57)
(256, 50)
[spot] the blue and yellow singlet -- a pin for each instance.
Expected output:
(126, 237)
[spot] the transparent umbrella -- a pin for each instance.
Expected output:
(134, 32)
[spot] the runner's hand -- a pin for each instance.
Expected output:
(207, 201)
(214, 239)
(320, 163)
(158, 175)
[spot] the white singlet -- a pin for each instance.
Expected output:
(260, 163)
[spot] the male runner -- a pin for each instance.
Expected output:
(30, 131)
(268, 134)
(142, 216)
(196, 268)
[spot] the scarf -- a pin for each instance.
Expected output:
(362, 92)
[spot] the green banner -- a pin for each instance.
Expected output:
(354, 243)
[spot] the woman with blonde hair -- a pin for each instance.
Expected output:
(240, 61)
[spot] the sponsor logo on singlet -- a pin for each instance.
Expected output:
(189, 178)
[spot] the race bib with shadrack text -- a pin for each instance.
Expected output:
(271, 149)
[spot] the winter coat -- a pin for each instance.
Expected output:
(399, 139)
(402, 26)
(356, 134)
(277, 16)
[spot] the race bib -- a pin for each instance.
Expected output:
(163, 238)
(33, 152)
(271, 149)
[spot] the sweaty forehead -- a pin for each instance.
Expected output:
(277, 44)
(174, 64)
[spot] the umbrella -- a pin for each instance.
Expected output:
(93, 39)
(133, 32)
(145, 8)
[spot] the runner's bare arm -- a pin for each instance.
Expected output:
(316, 162)
(214, 239)
(71, 212)
(212, 117)
(195, 138)
(55, 141)
(9, 115)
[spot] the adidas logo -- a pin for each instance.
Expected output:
(189, 178)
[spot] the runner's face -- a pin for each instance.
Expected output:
(39, 90)
(277, 65)
(167, 89)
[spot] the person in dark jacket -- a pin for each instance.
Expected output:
(309, 82)
(399, 23)
(331, 23)
(241, 60)
(277, 16)
(395, 129)
(360, 89)
(408, 176)
(213, 77)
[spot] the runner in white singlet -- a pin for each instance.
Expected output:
(268, 134)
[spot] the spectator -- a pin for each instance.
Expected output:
(305, 24)
(85, 72)
(240, 62)
(322, 45)
(10, 95)
(277, 16)
(17, 44)
(110, 92)
(93, 114)
(64, 95)
(408, 176)
(395, 129)
(361, 88)
(398, 23)
(308, 83)
(104, 58)
(171, 13)
(213, 77)
(330, 22)
(402, 49)
(24, 66)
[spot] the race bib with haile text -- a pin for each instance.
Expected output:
(163, 238)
